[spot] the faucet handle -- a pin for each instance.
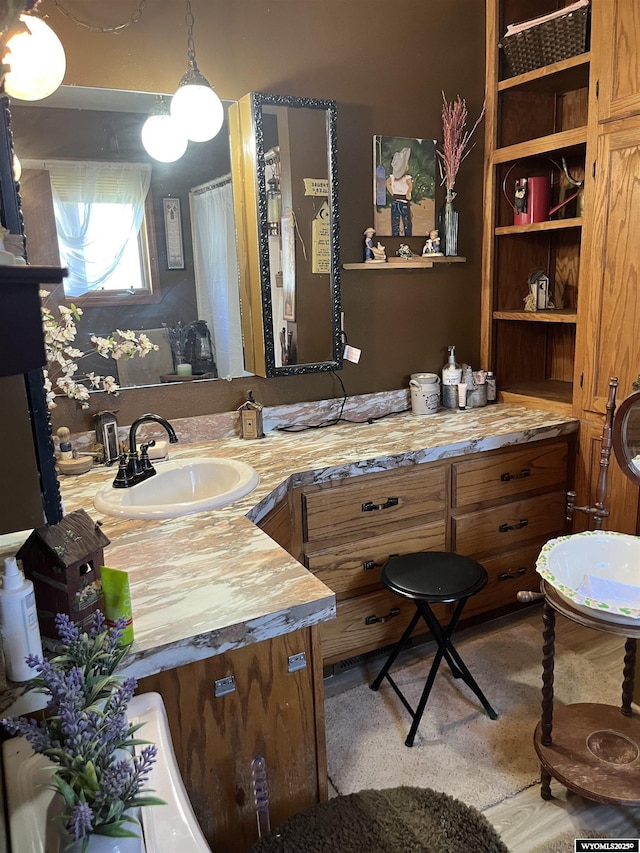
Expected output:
(145, 462)
(122, 479)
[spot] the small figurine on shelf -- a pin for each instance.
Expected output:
(368, 244)
(373, 254)
(432, 244)
(538, 296)
(404, 252)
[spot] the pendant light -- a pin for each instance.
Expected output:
(195, 106)
(162, 137)
(37, 61)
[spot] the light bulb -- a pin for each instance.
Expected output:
(163, 139)
(17, 168)
(198, 110)
(37, 61)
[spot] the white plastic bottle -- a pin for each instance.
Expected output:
(19, 628)
(451, 376)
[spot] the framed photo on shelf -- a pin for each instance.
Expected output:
(173, 233)
(404, 186)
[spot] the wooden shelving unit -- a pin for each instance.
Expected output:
(534, 121)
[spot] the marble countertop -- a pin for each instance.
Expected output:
(213, 581)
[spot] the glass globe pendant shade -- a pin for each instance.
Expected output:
(162, 137)
(37, 61)
(196, 107)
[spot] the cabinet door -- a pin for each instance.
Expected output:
(272, 712)
(621, 498)
(616, 57)
(609, 339)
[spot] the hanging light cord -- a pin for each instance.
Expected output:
(191, 47)
(135, 17)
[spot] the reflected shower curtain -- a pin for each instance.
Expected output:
(215, 261)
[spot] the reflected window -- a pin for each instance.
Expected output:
(102, 228)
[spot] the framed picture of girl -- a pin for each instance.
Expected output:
(404, 186)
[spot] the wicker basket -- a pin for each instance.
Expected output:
(551, 41)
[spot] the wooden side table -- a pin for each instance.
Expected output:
(592, 749)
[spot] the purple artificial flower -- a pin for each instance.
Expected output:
(144, 762)
(67, 630)
(37, 733)
(98, 625)
(80, 820)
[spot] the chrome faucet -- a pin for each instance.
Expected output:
(137, 467)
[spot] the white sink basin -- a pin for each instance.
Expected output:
(180, 487)
(598, 572)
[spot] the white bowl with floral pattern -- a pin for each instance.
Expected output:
(597, 571)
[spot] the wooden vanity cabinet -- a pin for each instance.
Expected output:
(498, 507)
(350, 528)
(505, 506)
(274, 710)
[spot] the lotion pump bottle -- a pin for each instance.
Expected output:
(451, 376)
(18, 622)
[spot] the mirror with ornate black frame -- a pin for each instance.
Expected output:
(626, 436)
(286, 199)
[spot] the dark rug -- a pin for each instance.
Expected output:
(394, 820)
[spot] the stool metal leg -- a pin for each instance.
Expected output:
(402, 642)
(417, 714)
(450, 649)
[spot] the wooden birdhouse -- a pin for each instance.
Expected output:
(251, 419)
(63, 560)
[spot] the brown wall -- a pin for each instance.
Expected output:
(385, 65)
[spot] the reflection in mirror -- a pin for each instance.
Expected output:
(284, 166)
(149, 245)
(626, 436)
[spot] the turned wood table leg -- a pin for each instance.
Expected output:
(629, 672)
(548, 652)
(545, 784)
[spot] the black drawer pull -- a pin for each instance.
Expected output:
(371, 620)
(516, 573)
(367, 565)
(517, 526)
(526, 472)
(369, 506)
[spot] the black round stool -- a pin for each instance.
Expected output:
(433, 577)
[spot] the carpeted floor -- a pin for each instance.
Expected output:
(458, 749)
(397, 820)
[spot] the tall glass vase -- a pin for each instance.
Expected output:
(448, 225)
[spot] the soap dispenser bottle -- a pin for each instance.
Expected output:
(451, 376)
(19, 628)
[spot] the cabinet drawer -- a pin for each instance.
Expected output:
(349, 569)
(510, 473)
(349, 634)
(508, 574)
(368, 504)
(504, 528)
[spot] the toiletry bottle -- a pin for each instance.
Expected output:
(18, 622)
(117, 601)
(451, 376)
(491, 387)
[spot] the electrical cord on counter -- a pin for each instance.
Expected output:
(338, 419)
